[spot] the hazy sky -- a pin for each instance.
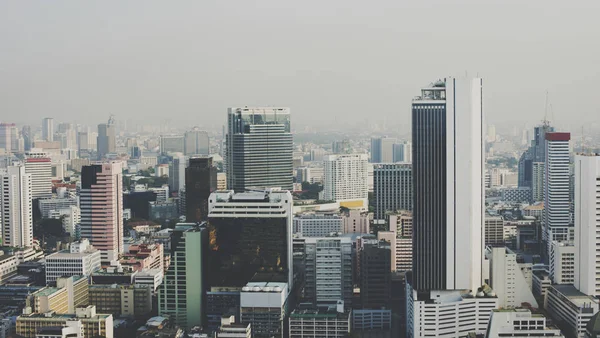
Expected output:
(352, 60)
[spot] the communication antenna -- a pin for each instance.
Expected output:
(545, 122)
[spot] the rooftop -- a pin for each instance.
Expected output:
(47, 291)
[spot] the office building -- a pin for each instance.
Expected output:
(375, 276)
(587, 224)
(516, 195)
(221, 301)
(177, 173)
(508, 280)
(171, 144)
(355, 221)
(80, 260)
(392, 187)
(447, 170)
(27, 137)
(181, 295)
(536, 153)
(200, 182)
(259, 148)
(569, 306)
(250, 237)
(15, 200)
(382, 149)
(520, 323)
(403, 152)
(317, 225)
(263, 306)
(106, 140)
(69, 293)
(48, 129)
(537, 181)
(328, 270)
(122, 300)
(40, 170)
(94, 324)
(562, 262)
(8, 266)
(494, 231)
(345, 180)
(230, 329)
(557, 199)
(101, 204)
(46, 206)
(309, 321)
(196, 142)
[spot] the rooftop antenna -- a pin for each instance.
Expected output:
(545, 122)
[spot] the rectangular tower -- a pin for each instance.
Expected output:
(259, 148)
(448, 167)
(200, 182)
(101, 203)
(15, 201)
(106, 140)
(40, 169)
(557, 180)
(346, 179)
(392, 187)
(48, 129)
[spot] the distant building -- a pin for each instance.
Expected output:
(382, 149)
(48, 129)
(196, 142)
(69, 293)
(375, 277)
(230, 329)
(40, 170)
(494, 231)
(200, 182)
(16, 204)
(177, 173)
(122, 300)
(106, 140)
(171, 144)
(518, 195)
(562, 262)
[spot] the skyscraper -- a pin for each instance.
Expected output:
(382, 149)
(259, 149)
(40, 169)
(196, 142)
(48, 129)
(200, 182)
(250, 236)
(448, 147)
(101, 203)
(6, 138)
(392, 187)
(587, 224)
(27, 138)
(106, 139)
(345, 179)
(15, 201)
(557, 199)
(177, 173)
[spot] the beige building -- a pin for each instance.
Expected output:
(356, 221)
(70, 293)
(122, 300)
(93, 324)
(221, 181)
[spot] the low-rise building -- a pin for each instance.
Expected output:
(122, 300)
(8, 266)
(371, 320)
(81, 260)
(568, 305)
(69, 293)
(144, 256)
(317, 225)
(520, 323)
(308, 321)
(230, 329)
(93, 324)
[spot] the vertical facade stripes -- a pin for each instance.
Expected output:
(429, 195)
(557, 194)
(392, 187)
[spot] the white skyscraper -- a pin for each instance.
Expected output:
(15, 199)
(345, 179)
(48, 129)
(40, 169)
(587, 224)
(557, 199)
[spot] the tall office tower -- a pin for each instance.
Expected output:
(345, 179)
(68, 136)
(177, 173)
(448, 168)
(200, 182)
(259, 148)
(537, 181)
(250, 236)
(328, 270)
(82, 142)
(375, 276)
(40, 170)
(557, 200)
(27, 137)
(196, 142)
(587, 224)
(392, 187)
(181, 295)
(48, 129)
(382, 149)
(494, 231)
(106, 140)
(101, 204)
(6, 136)
(15, 200)
(171, 144)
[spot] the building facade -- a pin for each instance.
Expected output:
(40, 170)
(392, 187)
(201, 181)
(317, 225)
(557, 194)
(16, 204)
(106, 141)
(196, 142)
(345, 179)
(81, 260)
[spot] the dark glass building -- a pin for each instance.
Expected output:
(139, 203)
(375, 276)
(392, 188)
(200, 182)
(259, 148)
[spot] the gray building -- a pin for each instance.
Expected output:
(392, 187)
(196, 142)
(318, 225)
(171, 144)
(259, 148)
(106, 141)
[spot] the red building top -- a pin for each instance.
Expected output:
(557, 136)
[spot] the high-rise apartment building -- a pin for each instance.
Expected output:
(448, 167)
(345, 179)
(40, 170)
(259, 148)
(48, 129)
(177, 173)
(15, 201)
(587, 224)
(106, 140)
(328, 270)
(101, 204)
(182, 292)
(382, 149)
(557, 199)
(392, 187)
(200, 182)
(196, 142)
(250, 236)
